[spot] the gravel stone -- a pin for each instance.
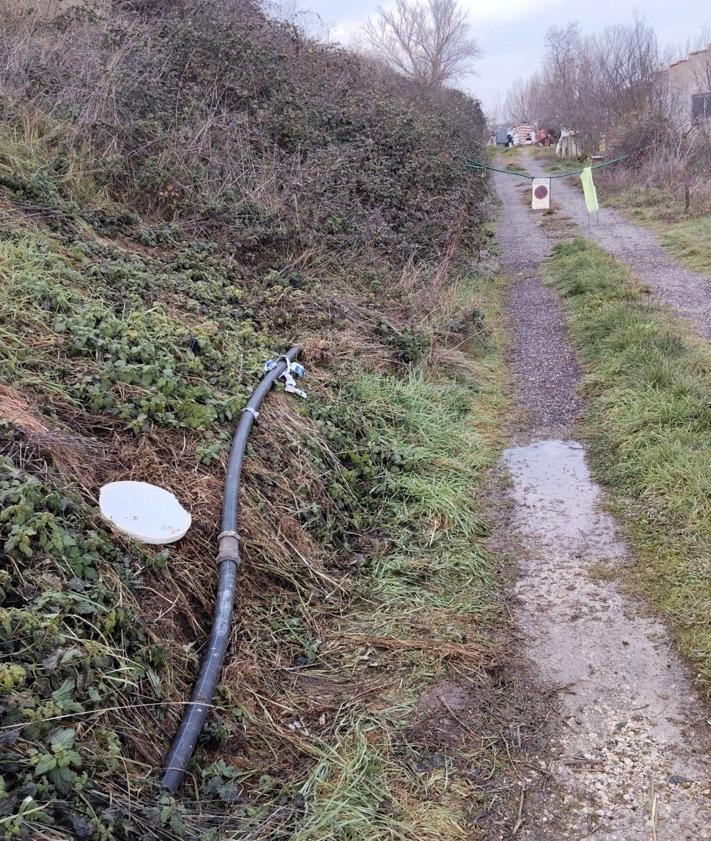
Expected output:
(545, 373)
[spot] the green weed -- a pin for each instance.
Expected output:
(36, 167)
(96, 334)
(73, 649)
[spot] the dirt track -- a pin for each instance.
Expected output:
(686, 292)
(627, 761)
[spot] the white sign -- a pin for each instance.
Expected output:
(541, 194)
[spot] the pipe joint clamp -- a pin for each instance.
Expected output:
(228, 547)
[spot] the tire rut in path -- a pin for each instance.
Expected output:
(627, 761)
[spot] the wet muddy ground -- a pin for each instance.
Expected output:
(627, 752)
(628, 757)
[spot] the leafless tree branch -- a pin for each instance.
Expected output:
(426, 40)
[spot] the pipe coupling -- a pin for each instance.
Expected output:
(228, 542)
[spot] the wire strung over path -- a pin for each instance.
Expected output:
(477, 165)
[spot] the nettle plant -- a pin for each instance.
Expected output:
(143, 363)
(72, 647)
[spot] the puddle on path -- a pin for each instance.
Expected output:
(629, 747)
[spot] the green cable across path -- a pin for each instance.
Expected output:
(480, 166)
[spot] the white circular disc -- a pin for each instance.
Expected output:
(145, 512)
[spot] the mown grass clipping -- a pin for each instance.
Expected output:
(648, 384)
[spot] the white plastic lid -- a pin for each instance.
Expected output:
(144, 512)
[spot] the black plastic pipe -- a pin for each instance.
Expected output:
(228, 561)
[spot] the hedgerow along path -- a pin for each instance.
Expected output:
(626, 761)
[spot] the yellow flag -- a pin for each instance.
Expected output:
(589, 190)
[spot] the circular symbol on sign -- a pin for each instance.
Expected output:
(540, 192)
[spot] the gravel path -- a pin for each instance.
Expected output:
(627, 748)
(627, 761)
(543, 365)
(687, 292)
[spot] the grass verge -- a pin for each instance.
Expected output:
(690, 243)
(648, 385)
(686, 236)
(553, 164)
(419, 621)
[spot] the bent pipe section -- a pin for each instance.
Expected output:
(229, 562)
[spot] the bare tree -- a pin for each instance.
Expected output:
(517, 105)
(600, 86)
(427, 40)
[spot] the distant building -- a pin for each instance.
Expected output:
(689, 83)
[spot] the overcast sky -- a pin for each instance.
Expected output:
(511, 32)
